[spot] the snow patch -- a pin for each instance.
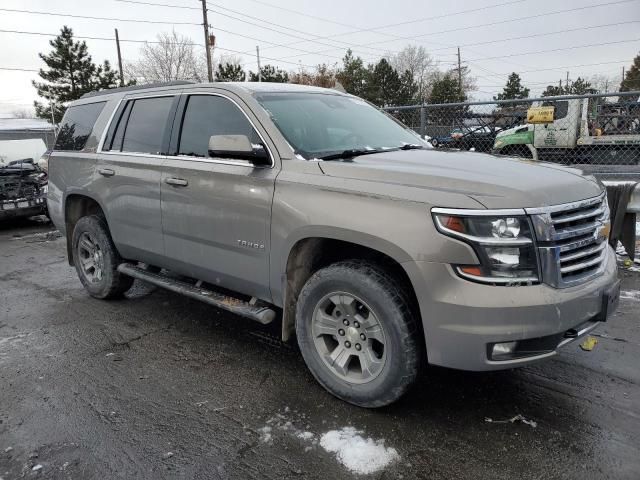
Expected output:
(305, 435)
(265, 434)
(630, 295)
(517, 418)
(357, 454)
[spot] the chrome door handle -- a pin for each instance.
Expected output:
(176, 182)
(106, 172)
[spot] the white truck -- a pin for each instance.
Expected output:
(602, 137)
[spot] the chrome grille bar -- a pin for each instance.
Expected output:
(571, 248)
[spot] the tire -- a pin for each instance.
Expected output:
(96, 259)
(434, 142)
(391, 359)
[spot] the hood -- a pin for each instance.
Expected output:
(494, 181)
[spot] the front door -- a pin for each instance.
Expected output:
(216, 212)
(561, 133)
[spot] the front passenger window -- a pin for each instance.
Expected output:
(207, 115)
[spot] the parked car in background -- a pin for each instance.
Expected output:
(23, 189)
(479, 138)
(309, 205)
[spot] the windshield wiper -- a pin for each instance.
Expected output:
(353, 152)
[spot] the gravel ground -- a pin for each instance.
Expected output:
(158, 386)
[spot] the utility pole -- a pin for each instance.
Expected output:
(53, 118)
(460, 76)
(567, 84)
(205, 24)
(119, 59)
(622, 74)
(259, 70)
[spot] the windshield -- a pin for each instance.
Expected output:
(319, 125)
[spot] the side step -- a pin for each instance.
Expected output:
(259, 313)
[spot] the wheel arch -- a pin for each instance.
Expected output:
(309, 253)
(76, 206)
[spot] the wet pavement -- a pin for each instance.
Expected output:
(159, 386)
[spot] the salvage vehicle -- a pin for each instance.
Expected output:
(477, 137)
(23, 189)
(588, 131)
(307, 205)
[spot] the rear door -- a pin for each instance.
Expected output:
(129, 171)
(216, 212)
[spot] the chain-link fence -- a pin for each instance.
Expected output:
(598, 133)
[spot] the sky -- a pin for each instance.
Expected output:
(539, 39)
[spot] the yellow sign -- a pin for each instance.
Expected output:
(540, 115)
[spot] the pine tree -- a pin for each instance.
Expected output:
(580, 87)
(270, 73)
(446, 90)
(407, 94)
(384, 85)
(230, 72)
(513, 89)
(353, 76)
(71, 73)
(631, 81)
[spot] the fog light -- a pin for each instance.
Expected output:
(503, 349)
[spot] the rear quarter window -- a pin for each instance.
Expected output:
(77, 124)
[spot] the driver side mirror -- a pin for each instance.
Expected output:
(238, 147)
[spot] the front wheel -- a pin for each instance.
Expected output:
(357, 333)
(96, 259)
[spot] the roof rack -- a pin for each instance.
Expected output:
(137, 87)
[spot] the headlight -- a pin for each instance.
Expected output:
(503, 244)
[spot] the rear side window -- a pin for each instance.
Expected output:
(208, 115)
(76, 126)
(145, 127)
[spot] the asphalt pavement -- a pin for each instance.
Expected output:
(158, 386)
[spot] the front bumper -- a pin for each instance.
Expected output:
(23, 207)
(462, 319)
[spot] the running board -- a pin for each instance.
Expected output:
(259, 313)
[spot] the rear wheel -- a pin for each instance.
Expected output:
(357, 333)
(96, 259)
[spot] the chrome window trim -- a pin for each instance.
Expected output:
(464, 212)
(108, 125)
(238, 163)
(566, 206)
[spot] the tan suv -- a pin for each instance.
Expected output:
(312, 207)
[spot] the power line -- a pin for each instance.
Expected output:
(111, 19)
(263, 26)
(15, 69)
(500, 22)
(540, 34)
(555, 49)
(562, 67)
(419, 20)
(148, 41)
(21, 32)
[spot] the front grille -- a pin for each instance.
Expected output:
(572, 249)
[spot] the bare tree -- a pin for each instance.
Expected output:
(173, 57)
(323, 76)
(604, 83)
(420, 65)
